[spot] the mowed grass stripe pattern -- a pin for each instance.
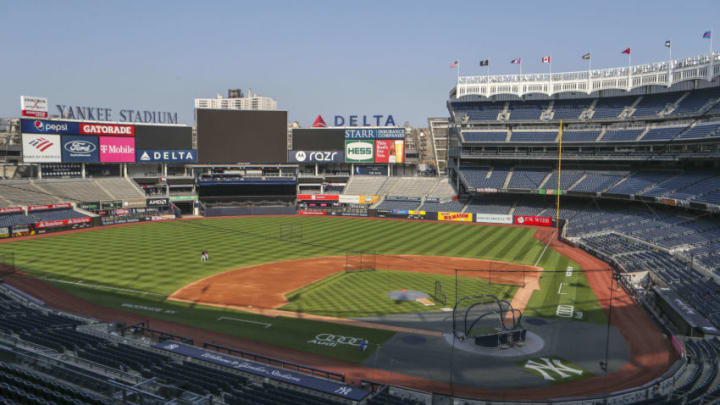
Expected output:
(355, 295)
(163, 257)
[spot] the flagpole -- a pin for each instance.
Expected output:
(669, 79)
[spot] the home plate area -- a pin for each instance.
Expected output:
(411, 296)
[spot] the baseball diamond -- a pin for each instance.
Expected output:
(264, 285)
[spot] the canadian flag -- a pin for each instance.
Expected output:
(545, 59)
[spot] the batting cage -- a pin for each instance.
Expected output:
(356, 261)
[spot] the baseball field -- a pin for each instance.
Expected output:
(283, 280)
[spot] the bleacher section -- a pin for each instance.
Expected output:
(488, 136)
(700, 186)
(34, 192)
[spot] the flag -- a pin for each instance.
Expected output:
(586, 56)
(706, 34)
(454, 64)
(668, 44)
(485, 62)
(545, 59)
(516, 61)
(626, 51)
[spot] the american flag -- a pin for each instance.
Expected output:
(454, 64)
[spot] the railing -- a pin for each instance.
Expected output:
(703, 67)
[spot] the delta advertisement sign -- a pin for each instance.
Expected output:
(179, 155)
(41, 148)
(375, 151)
(117, 149)
(455, 216)
(533, 220)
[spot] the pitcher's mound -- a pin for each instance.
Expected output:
(407, 295)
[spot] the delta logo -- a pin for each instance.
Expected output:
(319, 122)
(41, 144)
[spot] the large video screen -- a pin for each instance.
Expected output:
(320, 139)
(228, 136)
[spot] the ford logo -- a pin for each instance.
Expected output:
(80, 147)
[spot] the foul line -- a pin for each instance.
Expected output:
(102, 287)
(265, 325)
(543, 252)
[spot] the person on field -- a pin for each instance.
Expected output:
(205, 256)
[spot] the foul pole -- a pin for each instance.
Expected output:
(557, 192)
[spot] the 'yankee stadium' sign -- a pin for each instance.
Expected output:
(184, 155)
(105, 114)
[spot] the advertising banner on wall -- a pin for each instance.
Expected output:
(34, 106)
(153, 156)
(157, 202)
(375, 133)
(389, 151)
(349, 199)
(80, 149)
(533, 220)
(359, 151)
(11, 210)
(87, 128)
(41, 148)
(369, 199)
(371, 170)
(493, 218)
(455, 216)
(46, 207)
(312, 213)
(311, 156)
(318, 197)
(117, 149)
(62, 222)
(49, 127)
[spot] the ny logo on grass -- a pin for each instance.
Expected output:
(546, 367)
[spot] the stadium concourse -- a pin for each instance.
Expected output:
(627, 172)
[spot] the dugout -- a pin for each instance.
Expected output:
(686, 320)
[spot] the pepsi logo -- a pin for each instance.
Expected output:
(38, 125)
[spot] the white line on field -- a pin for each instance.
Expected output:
(102, 287)
(543, 252)
(560, 289)
(230, 318)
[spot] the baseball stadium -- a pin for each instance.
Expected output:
(557, 244)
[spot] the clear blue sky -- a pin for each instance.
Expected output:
(317, 57)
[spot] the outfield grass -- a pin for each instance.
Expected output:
(361, 294)
(163, 257)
